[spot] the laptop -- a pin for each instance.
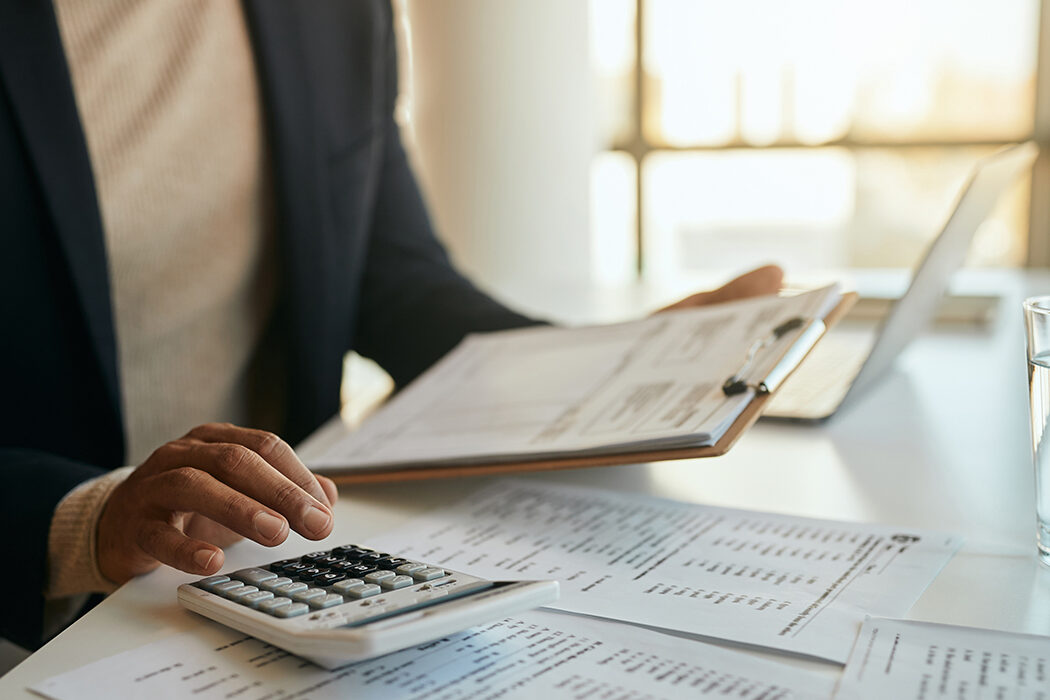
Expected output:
(849, 359)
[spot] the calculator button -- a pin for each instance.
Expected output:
(211, 582)
(348, 551)
(362, 591)
(360, 570)
(377, 576)
(329, 578)
(327, 561)
(253, 576)
(275, 583)
(224, 588)
(252, 600)
(343, 566)
(410, 567)
(308, 594)
(325, 602)
(314, 556)
(372, 557)
(290, 588)
(343, 586)
(291, 610)
(269, 606)
(238, 595)
(391, 562)
(392, 584)
(312, 573)
(294, 568)
(428, 574)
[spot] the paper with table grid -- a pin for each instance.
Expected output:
(544, 392)
(794, 584)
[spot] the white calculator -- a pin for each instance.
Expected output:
(353, 603)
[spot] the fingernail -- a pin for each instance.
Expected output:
(203, 558)
(316, 520)
(269, 526)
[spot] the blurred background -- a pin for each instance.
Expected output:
(603, 145)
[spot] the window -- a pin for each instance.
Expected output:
(816, 133)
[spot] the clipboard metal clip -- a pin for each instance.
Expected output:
(738, 383)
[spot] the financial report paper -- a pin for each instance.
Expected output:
(534, 655)
(544, 391)
(920, 660)
(794, 584)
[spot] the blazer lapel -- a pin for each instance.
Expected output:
(33, 69)
(282, 62)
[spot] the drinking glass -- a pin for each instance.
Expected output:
(1037, 333)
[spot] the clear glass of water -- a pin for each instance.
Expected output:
(1037, 332)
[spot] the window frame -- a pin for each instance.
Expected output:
(638, 146)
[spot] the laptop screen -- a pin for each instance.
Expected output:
(915, 310)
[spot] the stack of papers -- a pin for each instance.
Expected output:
(537, 393)
(790, 584)
(535, 655)
(786, 583)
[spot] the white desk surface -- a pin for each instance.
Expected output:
(943, 442)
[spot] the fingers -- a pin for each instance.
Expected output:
(194, 491)
(330, 488)
(218, 483)
(243, 472)
(268, 446)
(168, 545)
(764, 280)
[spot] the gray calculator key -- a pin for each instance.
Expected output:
(253, 600)
(410, 567)
(363, 591)
(274, 583)
(392, 584)
(211, 582)
(271, 605)
(377, 576)
(343, 586)
(290, 588)
(291, 610)
(428, 574)
(253, 576)
(325, 602)
(224, 588)
(309, 594)
(238, 595)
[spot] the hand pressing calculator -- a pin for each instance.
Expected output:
(353, 603)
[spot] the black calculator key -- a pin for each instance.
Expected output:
(278, 566)
(329, 578)
(389, 562)
(312, 573)
(295, 568)
(373, 557)
(326, 561)
(348, 549)
(314, 556)
(343, 566)
(359, 570)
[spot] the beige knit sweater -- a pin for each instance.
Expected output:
(168, 99)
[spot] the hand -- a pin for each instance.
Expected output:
(205, 490)
(758, 282)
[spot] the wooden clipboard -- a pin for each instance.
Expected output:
(444, 471)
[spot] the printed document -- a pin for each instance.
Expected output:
(544, 391)
(921, 660)
(794, 584)
(535, 655)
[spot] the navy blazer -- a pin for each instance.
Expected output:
(360, 266)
